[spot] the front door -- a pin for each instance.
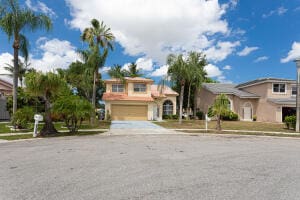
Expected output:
(247, 113)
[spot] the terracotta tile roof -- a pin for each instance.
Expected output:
(124, 97)
(162, 91)
(128, 79)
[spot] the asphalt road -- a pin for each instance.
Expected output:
(151, 167)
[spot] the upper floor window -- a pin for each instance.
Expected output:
(118, 88)
(294, 90)
(278, 87)
(139, 87)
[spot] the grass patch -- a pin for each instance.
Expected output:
(16, 137)
(58, 125)
(195, 133)
(227, 125)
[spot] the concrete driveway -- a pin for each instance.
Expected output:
(137, 127)
(151, 167)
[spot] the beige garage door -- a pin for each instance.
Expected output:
(129, 112)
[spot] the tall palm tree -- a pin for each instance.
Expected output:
(133, 71)
(46, 86)
(23, 69)
(178, 72)
(117, 72)
(196, 75)
(100, 40)
(14, 21)
(219, 108)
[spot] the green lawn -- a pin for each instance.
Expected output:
(228, 125)
(64, 134)
(58, 125)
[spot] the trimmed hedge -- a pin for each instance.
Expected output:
(170, 117)
(290, 122)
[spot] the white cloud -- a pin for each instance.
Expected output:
(55, 54)
(279, 11)
(40, 7)
(247, 50)
(260, 59)
(105, 69)
(155, 28)
(5, 58)
(213, 71)
(227, 67)
(161, 71)
(221, 51)
(293, 53)
(144, 64)
(222, 79)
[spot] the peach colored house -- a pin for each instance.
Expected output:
(269, 99)
(5, 90)
(138, 99)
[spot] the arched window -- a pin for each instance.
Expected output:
(168, 108)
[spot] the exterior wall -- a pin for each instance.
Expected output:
(205, 100)
(160, 102)
(139, 94)
(268, 111)
(239, 103)
(109, 103)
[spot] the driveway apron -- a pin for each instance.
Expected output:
(136, 128)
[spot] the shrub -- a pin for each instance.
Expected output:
(290, 121)
(254, 118)
(167, 117)
(230, 116)
(175, 116)
(210, 112)
(23, 117)
(200, 115)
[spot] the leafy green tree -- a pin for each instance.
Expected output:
(100, 39)
(133, 71)
(197, 74)
(14, 21)
(47, 86)
(178, 72)
(219, 108)
(73, 109)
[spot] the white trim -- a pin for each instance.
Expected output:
(244, 106)
(285, 88)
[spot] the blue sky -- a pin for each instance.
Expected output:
(243, 40)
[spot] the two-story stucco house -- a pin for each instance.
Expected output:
(269, 99)
(138, 99)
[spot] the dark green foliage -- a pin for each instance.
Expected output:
(23, 117)
(290, 122)
(170, 117)
(73, 110)
(230, 116)
(24, 100)
(200, 115)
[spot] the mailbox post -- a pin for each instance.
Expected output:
(37, 118)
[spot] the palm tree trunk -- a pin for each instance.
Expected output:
(181, 103)
(218, 123)
(94, 99)
(195, 101)
(189, 100)
(48, 128)
(15, 76)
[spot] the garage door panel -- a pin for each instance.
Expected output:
(129, 112)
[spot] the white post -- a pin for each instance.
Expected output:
(36, 123)
(297, 96)
(206, 122)
(37, 119)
